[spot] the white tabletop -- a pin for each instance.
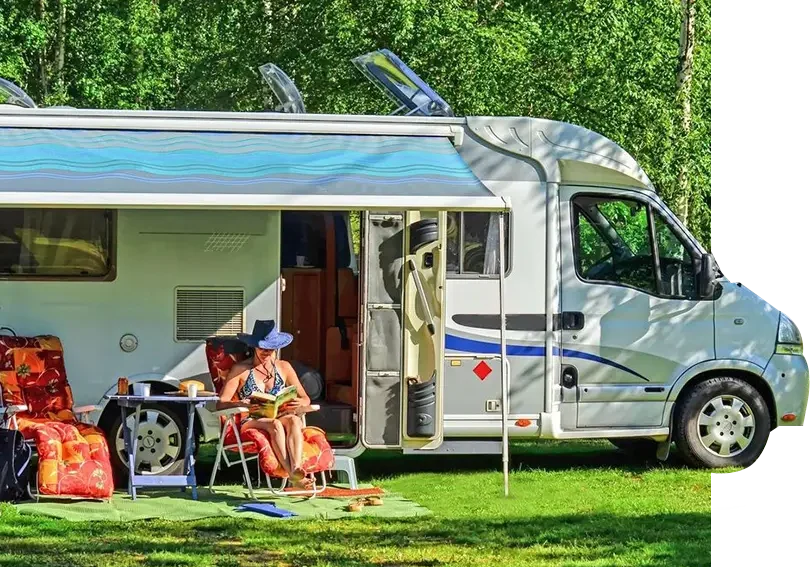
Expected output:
(162, 398)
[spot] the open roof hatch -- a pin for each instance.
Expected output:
(284, 89)
(411, 94)
(12, 94)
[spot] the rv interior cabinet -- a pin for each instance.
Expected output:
(341, 364)
(301, 315)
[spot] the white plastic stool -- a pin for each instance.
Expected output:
(346, 464)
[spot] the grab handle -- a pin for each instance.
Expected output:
(422, 297)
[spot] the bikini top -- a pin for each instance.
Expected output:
(250, 386)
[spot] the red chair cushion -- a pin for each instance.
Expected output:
(74, 459)
(32, 372)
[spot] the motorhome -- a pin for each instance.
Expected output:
(451, 282)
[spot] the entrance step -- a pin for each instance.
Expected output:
(334, 418)
(346, 465)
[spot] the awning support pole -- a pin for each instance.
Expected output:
(504, 366)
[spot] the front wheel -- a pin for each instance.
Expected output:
(160, 447)
(722, 422)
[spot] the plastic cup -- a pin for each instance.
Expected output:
(192, 390)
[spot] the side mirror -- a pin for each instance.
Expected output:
(707, 276)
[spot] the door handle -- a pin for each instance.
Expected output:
(570, 376)
(573, 321)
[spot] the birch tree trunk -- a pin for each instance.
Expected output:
(684, 98)
(60, 45)
(43, 52)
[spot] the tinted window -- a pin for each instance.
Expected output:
(55, 243)
(472, 243)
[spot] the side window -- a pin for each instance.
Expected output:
(55, 243)
(677, 266)
(472, 243)
(612, 242)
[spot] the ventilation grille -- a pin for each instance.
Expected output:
(205, 312)
(226, 242)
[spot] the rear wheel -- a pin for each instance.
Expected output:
(721, 422)
(161, 444)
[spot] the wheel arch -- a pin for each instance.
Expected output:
(742, 370)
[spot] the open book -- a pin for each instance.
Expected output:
(269, 405)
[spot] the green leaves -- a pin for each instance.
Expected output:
(609, 65)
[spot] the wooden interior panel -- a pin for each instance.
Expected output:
(301, 315)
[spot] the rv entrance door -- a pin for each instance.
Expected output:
(403, 330)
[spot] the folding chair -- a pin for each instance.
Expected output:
(253, 444)
(74, 461)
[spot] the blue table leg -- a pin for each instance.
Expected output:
(189, 461)
(134, 445)
(130, 442)
(127, 447)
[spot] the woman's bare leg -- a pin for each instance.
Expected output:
(294, 427)
(278, 440)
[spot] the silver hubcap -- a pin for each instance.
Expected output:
(726, 426)
(158, 445)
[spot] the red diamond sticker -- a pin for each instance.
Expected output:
(482, 370)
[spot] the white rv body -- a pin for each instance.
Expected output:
(615, 363)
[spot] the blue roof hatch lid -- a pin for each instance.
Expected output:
(411, 94)
(12, 94)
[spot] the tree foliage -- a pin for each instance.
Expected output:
(608, 65)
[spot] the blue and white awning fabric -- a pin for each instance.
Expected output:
(149, 169)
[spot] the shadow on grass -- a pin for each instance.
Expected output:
(553, 456)
(656, 539)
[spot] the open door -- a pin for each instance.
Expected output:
(402, 336)
(423, 330)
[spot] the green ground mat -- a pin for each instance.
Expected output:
(175, 505)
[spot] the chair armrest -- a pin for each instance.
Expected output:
(230, 411)
(86, 409)
(11, 410)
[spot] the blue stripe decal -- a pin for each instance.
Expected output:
(460, 344)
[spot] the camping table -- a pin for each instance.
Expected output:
(188, 478)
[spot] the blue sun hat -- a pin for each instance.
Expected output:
(266, 335)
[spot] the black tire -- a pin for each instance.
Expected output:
(423, 232)
(645, 449)
(172, 423)
(688, 431)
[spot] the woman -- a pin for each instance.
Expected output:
(265, 372)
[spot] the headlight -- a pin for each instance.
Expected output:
(788, 339)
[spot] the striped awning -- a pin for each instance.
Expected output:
(149, 169)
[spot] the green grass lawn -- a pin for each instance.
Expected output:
(570, 504)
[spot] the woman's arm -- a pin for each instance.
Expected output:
(229, 390)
